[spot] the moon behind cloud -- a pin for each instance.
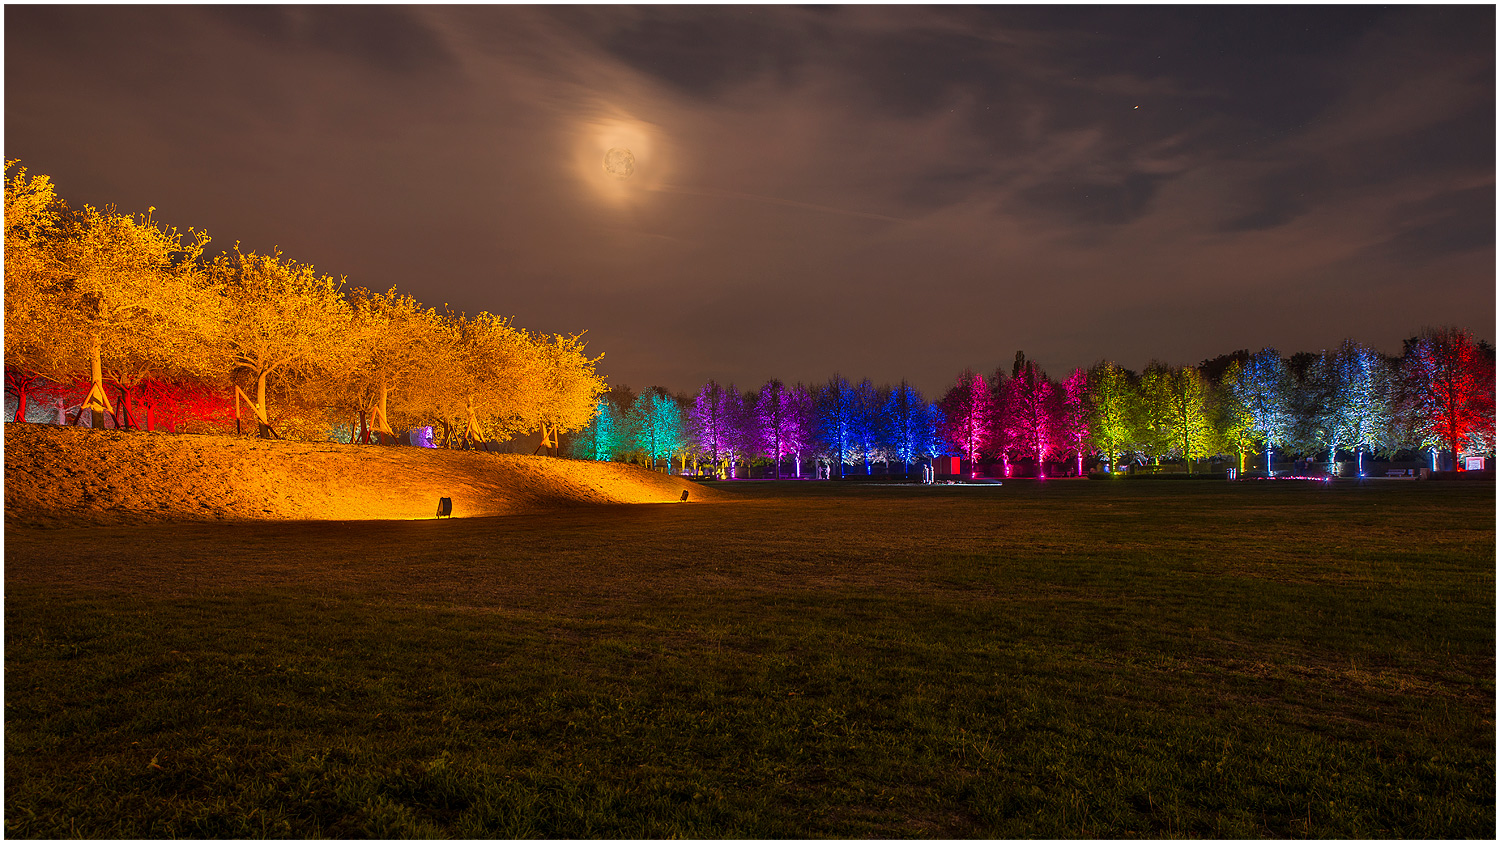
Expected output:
(619, 162)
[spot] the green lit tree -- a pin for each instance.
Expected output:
(1112, 410)
(1178, 412)
(660, 431)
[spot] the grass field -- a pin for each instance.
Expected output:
(1069, 659)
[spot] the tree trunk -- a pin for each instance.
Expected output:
(20, 404)
(126, 420)
(263, 418)
(364, 429)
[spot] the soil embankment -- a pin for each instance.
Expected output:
(57, 477)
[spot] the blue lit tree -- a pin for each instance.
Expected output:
(1369, 383)
(865, 425)
(1262, 389)
(907, 424)
(836, 412)
(1345, 400)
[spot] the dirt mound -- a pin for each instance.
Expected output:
(57, 476)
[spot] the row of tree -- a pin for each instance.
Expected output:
(130, 320)
(1438, 394)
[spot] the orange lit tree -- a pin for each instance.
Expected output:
(32, 221)
(130, 292)
(281, 318)
(395, 342)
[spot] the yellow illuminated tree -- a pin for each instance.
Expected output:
(1176, 403)
(396, 342)
(281, 318)
(33, 217)
(129, 290)
(570, 387)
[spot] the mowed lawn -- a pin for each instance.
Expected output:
(1068, 659)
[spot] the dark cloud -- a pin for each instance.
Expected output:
(1090, 203)
(1449, 223)
(384, 38)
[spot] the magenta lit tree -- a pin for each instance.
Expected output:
(1073, 421)
(1031, 409)
(967, 410)
(783, 421)
(773, 423)
(802, 420)
(999, 436)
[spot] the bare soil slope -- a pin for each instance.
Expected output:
(57, 477)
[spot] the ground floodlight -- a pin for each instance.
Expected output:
(684, 496)
(445, 507)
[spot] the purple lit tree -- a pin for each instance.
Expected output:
(712, 421)
(967, 408)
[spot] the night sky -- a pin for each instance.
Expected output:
(884, 192)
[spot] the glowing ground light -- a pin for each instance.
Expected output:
(619, 162)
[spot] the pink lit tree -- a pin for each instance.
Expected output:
(999, 442)
(1073, 419)
(1032, 405)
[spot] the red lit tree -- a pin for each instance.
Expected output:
(1455, 383)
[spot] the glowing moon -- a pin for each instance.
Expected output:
(619, 162)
